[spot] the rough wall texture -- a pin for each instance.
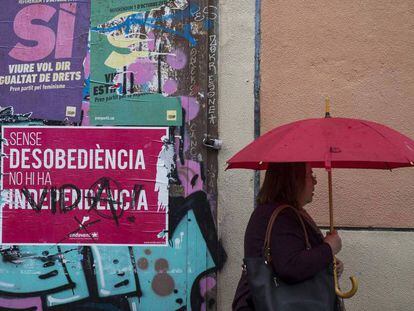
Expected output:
(236, 73)
(358, 53)
(383, 263)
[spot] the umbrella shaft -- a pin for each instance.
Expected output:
(331, 220)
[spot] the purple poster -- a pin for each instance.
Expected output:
(43, 45)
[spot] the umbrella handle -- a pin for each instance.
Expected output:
(353, 279)
(338, 290)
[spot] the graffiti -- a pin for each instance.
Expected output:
(208, 12)
(210, 160)
(7, 116)
(153, 57)
(145, 53)
(193, 141)
(191, 173)
(76, 277)
(125, 26)
(152, 74)
(193, 72)
(212, 96)
(57, 197)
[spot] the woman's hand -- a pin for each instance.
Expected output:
(339, 267)
(334, 241)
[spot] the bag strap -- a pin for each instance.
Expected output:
(277, 211)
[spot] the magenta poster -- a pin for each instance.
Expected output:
(85, 185)
(43, 46)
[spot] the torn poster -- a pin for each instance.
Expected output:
(139, 54)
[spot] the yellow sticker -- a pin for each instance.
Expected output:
(70, 111)
(171, 115)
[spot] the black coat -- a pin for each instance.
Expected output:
(292, 262)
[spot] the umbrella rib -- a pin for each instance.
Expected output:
(385, 138)
(288, 132)
(389, 167)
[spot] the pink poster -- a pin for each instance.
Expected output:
(85, 185)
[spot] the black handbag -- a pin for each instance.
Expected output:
(269, 293)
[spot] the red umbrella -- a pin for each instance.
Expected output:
(329, 143)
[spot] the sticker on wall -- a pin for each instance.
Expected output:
(42, 49)
(145, 110)
(85, 185)
(138, 60)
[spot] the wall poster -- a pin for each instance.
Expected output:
(42, 50)
(85, 185)
(137, 52)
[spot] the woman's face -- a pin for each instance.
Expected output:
(309, 187)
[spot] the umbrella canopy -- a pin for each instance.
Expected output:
(329, 143)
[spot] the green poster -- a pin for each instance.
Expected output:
(134, 62)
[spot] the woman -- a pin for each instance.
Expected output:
(292, 184)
